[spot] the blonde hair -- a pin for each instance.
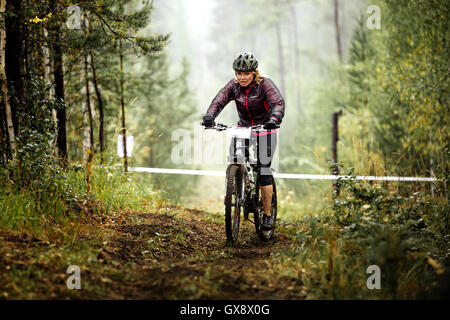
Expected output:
(258, 77)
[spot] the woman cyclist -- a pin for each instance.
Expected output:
(258, 101)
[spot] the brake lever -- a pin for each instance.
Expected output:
(220, 127)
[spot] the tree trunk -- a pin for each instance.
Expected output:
(100, 109)
(58, 73)
(14, 63)
(124, 128)
(280, 58)
(338, 33)
(89, 106)
(6, 102)
(85, 129)
(151, 157)
(91, 126)
(3, 136)
(50, 94)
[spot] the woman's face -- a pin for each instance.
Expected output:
(244, 78)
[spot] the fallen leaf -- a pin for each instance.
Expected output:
(105, 280)
(436, 266)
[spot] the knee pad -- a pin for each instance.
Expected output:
(265, 180)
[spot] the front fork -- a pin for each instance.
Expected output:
(241, 200)
(246, 194)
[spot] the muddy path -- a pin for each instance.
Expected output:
(185, 256)
(174, 253)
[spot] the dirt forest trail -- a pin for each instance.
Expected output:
(185, 256)
(169, 253)
(174, 253)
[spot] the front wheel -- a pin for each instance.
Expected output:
(232, 205)
(259, 212)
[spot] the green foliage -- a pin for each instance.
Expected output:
(360, 69)
(112, 20)
(400, 74)
(393, 90)
(66, 200)
(407, 236)
(164, 104)
(37, 169)
(39, 189)
(398, 233)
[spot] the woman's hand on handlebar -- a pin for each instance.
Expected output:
(208, 121)
(271, 124)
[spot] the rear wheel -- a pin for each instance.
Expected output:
(232, 206)
(259, 212)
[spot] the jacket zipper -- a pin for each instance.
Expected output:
(246, 104)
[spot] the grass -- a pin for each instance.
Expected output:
(111, 191)
(47, 225)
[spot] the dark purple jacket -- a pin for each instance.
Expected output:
(254, 106)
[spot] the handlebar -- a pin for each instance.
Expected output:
(221, 127)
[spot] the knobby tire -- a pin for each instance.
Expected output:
(232, 208)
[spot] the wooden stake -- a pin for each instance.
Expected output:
(335, 139)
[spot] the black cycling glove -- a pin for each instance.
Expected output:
(271, 124)
(208, 120)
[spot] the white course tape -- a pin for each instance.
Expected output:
(179, 171)
(282, 175)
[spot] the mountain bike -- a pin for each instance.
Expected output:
(242, 192)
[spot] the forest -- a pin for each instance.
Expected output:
(91, 91)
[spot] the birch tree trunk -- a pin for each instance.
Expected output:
(124, 128)
(88, 134)
(90, 151)
(8, 111)
(58, 73)
(48, 95)
(14, 56)
(89, 107)
(4, 149)
(86, 110)
(100, 108)
(85, 130)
